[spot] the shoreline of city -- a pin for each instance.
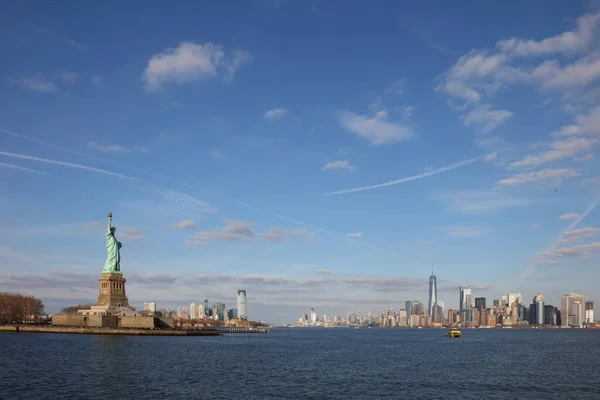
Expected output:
(508, 311)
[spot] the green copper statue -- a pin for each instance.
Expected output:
(113, 248)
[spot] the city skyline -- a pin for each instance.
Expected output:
(506, 311)
(290, 154)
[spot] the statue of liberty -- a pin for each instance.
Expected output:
(113, 249)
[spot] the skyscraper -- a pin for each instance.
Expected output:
(538, 300)
(589, 312)
(432, 293)
(409, 307)
(480, 303)
(512, 297)
(465, 302)
(241, 304)
(313, 316)
(572, 309)
(206, 308)
(193, 311)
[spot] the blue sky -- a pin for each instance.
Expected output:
(227, 138)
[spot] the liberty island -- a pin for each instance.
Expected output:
(112, 308)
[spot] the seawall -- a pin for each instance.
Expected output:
(108, 331)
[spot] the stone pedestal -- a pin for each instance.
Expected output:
(112, 291)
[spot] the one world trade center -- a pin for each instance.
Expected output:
(432, 293)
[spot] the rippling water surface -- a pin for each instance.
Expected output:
(306, 364)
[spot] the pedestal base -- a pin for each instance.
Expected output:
(112, 291)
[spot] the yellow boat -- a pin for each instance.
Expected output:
(454, 333)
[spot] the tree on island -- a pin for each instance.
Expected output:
(75, 309)
(16, 308)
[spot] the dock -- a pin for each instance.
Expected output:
(235, 329)
(109, 331)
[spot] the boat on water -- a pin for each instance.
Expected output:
(454, 333)
(358, 328)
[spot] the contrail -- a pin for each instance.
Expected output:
(537, 262)
(411, 178)
(67, 164)
(19, 168)
(79, 153)
(261, 210)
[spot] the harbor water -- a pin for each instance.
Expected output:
(305, 363)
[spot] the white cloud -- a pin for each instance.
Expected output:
(568, 216)
(585, 124)
(216, 155)
(552, 76)
(398, 87)
(568, 42)
(238, 59)
(241, 231)
(66, 77)
(477, 75)
(322, 271)
(559, 150)
(39, 83)
(535, 226)
(356, 234)
(466, 231)
(128, 233)
(576, 251)
(579, 233)
(36, 83)
(233, 231)
(339, 164)
(277, 234)
(376, 130)
(479, 202)
(275, 114)
(190, 62)
(491, 157)
(75, 44)
(556, 174)
(407, 111)
(460, 91)
(185, 224)
(486, 118)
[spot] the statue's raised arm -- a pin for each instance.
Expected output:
(113, 247)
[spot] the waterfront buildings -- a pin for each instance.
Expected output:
(512, 298)
(572, 309)
(193, 314)
(479, 303)
(505, 311)
(536, 310)
(465, 300)
(432, 294)
(589, 312)
(241, 304)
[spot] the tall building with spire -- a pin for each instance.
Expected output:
(432, 293)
